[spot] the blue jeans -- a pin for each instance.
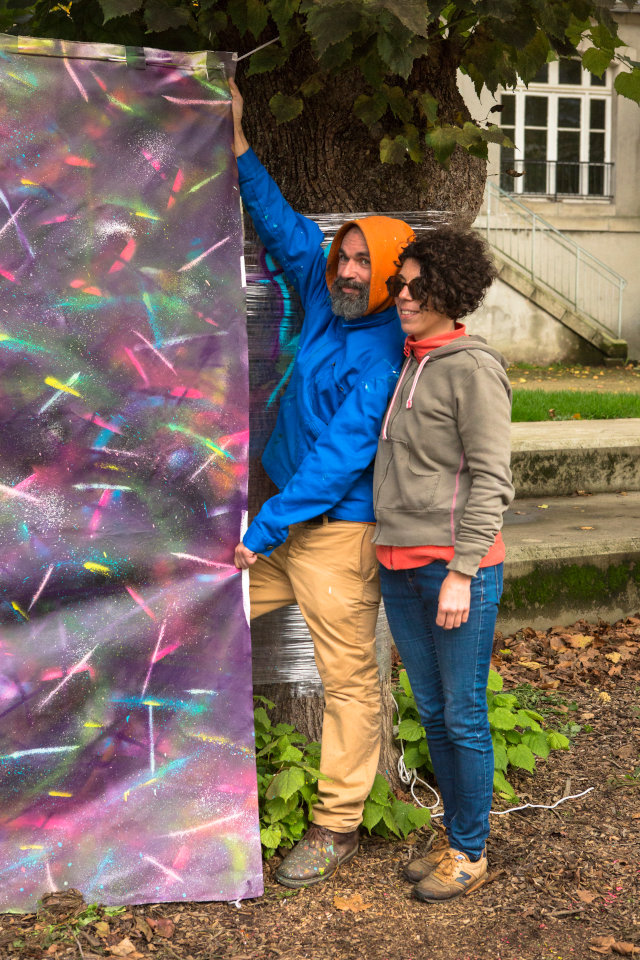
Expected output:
(448, 672)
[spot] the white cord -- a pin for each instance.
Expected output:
(261, 47)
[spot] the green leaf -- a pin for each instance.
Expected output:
(285, 783)
(393, 150)
(410, 730)
(429, 107)
(502, 718)
(500, 756)
(371, 815)
(290, 754)
(537, 743)
(402, 815)
(337, 56)
(331, 23)
(267, 59)
(502, 785)
(412, 756)
(160, 16)
(557, 741)
(628, 84)
(118, 8)
(419, 816)
(269, 704)
(370, 109)
(526, 721)
(505, 700)
(496, 682)
(403, 679)
(257, 17)
(380, 791)
(261, 718)
(283, 12)
(390, 821)
(604, 38)
(412, 14)
(278, 808)
(521, 756)
(400, 106)
(596, 61)
(494, 134)
(312, 85)
(285, 108)
(270, 836)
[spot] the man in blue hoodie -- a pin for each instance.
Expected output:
(311, 543)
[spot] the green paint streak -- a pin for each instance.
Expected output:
(209, 444)
(204, 182)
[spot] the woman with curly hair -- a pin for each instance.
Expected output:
(442, 483)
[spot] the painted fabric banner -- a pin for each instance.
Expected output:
(126, 725)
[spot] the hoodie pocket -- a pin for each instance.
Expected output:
(404, 485)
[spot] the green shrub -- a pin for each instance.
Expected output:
(519, 734)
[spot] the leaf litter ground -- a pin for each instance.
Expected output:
(563, 883)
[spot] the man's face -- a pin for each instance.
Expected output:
(350, 290)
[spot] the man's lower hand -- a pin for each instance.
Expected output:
(243, 557)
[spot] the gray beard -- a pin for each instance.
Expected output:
(346, 304)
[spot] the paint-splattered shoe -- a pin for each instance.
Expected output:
(316, 857)
(454, 875)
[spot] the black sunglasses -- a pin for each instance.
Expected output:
(417, 287)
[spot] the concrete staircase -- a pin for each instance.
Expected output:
(573, 532)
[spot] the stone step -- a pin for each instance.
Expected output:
(559, 457)
(571, 558)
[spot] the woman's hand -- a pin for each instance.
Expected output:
(243, 557)
(454, 600)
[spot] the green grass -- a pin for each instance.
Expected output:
(531, 405)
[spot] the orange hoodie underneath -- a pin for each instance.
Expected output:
(405, 558)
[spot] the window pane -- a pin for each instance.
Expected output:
(508, 115)
(597, 180)
(570, 71)
(596, 147)
(568, 112)
(597, 115)
(542, 76)
(535, 111)
(599, 81)
(507, 162)
(567, 178)
(535, 144)
(568, 145)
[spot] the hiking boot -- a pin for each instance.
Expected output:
(317, 856)
(418, 869)
(453, 876)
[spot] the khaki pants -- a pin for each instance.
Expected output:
(330, 570)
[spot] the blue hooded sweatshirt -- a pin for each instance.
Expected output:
(320, 454)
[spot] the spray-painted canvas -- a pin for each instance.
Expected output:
(126, 725)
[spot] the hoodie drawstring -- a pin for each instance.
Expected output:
(415, 381)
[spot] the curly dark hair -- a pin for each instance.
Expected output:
(455, 267)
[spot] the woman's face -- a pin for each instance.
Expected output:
(416, 320)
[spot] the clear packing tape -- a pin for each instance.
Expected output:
(282, 646)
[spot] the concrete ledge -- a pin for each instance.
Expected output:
(569, 558)
(561, 457)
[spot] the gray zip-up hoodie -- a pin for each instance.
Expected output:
(442, 473)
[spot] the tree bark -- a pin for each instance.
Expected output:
(326, 161)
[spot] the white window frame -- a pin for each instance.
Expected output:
(553, 90)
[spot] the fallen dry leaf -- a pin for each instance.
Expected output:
(101, 927)
(604, 697)
(601, 944)
(144, 928)
(614, 657)
(586, 896)
(124, 949)
(163, 927)
(355, 903)
(586, 528)
(580, 640)
(625, 949)
(543, 506)
(531, 664)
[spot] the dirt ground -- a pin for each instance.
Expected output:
(608, 379)
(563, 883)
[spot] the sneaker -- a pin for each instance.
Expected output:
(316, 857)
(418, 869)
(453, 876)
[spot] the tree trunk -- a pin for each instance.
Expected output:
(326, 161)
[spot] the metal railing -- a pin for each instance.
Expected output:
(558, 178)
(553, 260)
